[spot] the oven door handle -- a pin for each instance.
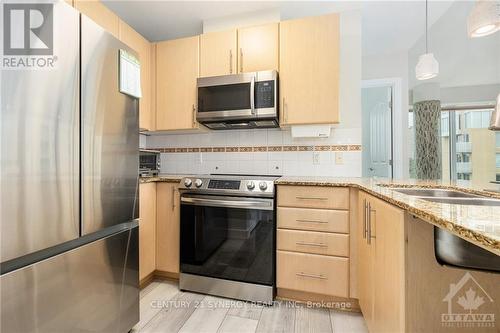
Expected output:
(265, 204)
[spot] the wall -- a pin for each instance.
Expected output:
(264, 151)
(274, 151)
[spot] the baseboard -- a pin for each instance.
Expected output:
(147, 280)
(166, 275)
(325, 301)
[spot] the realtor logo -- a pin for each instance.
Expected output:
(467, 301)
(28, 29)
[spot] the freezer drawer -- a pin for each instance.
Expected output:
(93, 288)
(110, 138)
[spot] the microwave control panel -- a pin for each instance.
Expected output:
(264, 94)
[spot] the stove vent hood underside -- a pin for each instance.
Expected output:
(229, 125)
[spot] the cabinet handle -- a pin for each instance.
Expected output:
(311, 198)
(194, 116)
(369, 233)
(312, 244)
(173, 198)
(312, 221)
(285, 114)
(230, 61)
(364, 218)
(241, 60)
(314, 276)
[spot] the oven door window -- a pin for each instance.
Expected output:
(228, 243)
(228, 97)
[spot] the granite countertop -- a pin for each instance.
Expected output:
(479, 225)
(168, 178)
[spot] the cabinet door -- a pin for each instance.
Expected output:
(177, 63)
(309, 70)
(100, 14)
(365, 264)
(167, 228)
(147, 229)
(388, 232)
(218, 53)
(258, 48)
(143, 48)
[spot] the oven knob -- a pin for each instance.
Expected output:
(187, 182)
(198, 182)
(263, 186)
(250, 185)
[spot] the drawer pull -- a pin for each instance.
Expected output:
(311, 198)
(311, 244)
(314, 276)
(311, 221)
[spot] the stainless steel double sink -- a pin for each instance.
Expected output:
(449, 196)
(450, 249)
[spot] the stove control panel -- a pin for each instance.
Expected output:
(231, 185)
(222, 184)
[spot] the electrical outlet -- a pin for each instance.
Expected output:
(339, 158)
(315, 157)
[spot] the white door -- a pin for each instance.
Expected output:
(376, 103)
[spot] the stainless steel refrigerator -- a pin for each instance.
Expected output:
(69, 188)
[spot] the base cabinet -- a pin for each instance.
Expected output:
(147, 229)
(167, 228)
(381, 260)
(313, 241)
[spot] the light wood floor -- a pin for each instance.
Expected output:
(166, 309)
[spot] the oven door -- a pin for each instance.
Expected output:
(229, 238)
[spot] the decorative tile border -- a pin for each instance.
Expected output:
(259, 149)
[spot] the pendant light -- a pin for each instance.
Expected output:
(484, 19)
(427, 66)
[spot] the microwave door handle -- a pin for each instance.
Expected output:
(252, 95)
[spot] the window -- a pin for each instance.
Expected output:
(470, 151)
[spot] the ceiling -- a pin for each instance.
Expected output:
(387, 26)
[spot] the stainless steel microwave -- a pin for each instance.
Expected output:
(238, 101)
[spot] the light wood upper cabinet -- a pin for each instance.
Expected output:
(309, 70)
(218, 53)
(258, 48)
(167, 228)
(147, 229)
(143, 48)
(100, 14)
(381, 260)
(177, 63)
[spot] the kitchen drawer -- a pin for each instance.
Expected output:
(313, 273)
(313, 197)
(313, 219)
(313, 242)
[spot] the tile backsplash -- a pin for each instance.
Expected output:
(263, 151)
